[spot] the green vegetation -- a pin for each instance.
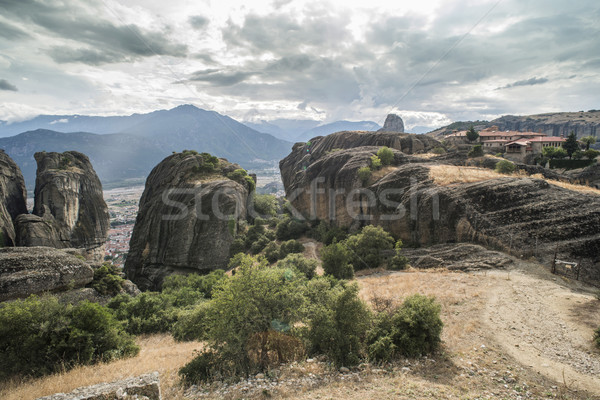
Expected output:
(336, 261)
(588, 141)
(290, 228)
(438, 150)
(298, 262)
(571, 145)
(554, 152)
(266, 205)
(505, 167)
(570, 164)
(327, 234)
(476, 151)
(411, 330)
(39, 336)
(591, 154)
(107, 280)
(375, 162)
(241, 176)
(364, 174)
(472, 134)
(386, 155)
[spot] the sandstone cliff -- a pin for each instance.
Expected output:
(12, 198)
(187, 218)
(69, 207)
(393, 123)
(521, 215)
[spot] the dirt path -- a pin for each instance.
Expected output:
(546, 323)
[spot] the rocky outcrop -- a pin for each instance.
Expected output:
(393, 123)
(12, 198)
(141, 387)
(34, 270)
(553, 124)
(69, 208)
(187, 219)
(460, 256)
(522, 216)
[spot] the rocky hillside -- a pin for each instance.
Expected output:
(520, 215)
(552, 124)
(187, 218)
(69, 208)
(12, 198)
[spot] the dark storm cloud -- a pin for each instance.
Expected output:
(5, 85)
(526, 82)
(108, 42)
(216, 77)
(12, 32)
(198, 21)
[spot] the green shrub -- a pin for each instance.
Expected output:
(399, 261)
(327, 234)
(265, 205)
(107, 280)
(336, 261)
(289, 247)
(438, 150)
(338, 328)
(375, 162)
(149, 312)
(476, 151)
(364, 174)
(259, 244)
(297, 261)
(367, 246)
(591, 154)
(39, 336)
(192, 324)
(181, 287)
(254, 233)
(291, 228)
(272, 252)
(386, 155)
(237, 246)
(202, 368)
(505, 167)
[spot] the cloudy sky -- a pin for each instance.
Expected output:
(431, 61)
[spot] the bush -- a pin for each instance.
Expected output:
(202, 368)
(364, 174)
(336, 261)
(272, 252)
(39, 336)
(386, 155)
(398, 262)
(192, 324)
(438, 150)
(476, 151)
(338, 328)
(254, 233)
(238, 246)
(265, 205)
(259, 244)
(411, 330)
(107, 280)
(591, 154)
(328, 234)
(181, 286)
(298, 262)
(375, 162)
(150, 312)
(290, 228)
(241, 176)
(367, 246)
(505, 167)
(289, 247)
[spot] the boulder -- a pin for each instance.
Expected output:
(12, 198)
(393, 123)
(141, 387)
(187, 219)
(34, 270)
(69, 207)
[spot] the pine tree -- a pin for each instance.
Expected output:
(571, 145)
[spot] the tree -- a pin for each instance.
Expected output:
(366, 247)
(591, 154)
(472, 134)
(364, 174)
(560, 152)
(336, 261)
(571, 145)
(375, 162)
(476, 151)
(386, 155)
(588, 140)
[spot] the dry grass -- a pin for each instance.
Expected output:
(158, 353)
(445, 175)
(459, 294)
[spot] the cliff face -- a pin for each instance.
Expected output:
(522, 215)
(187, 219)
(393, 123)
(12, 198)
(69, 208)
(553, 124)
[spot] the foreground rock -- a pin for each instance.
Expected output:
(522, 216)
(460, 256)
(12, 198)
(142, 387)
(69, 208)
(187, 219)
(35, 270)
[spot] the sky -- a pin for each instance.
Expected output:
(430, 61)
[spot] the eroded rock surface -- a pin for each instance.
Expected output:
(34, 270)
(187, 219)
(459, 256)
(69, 207)
(393, 123)
(12, 198)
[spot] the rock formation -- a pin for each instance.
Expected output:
(393, 123)
(12, 198)
(524, 216)
(69, 207)
(187, 218)
(141, 387)
(34, 270)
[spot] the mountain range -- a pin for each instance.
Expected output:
(302, 130)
